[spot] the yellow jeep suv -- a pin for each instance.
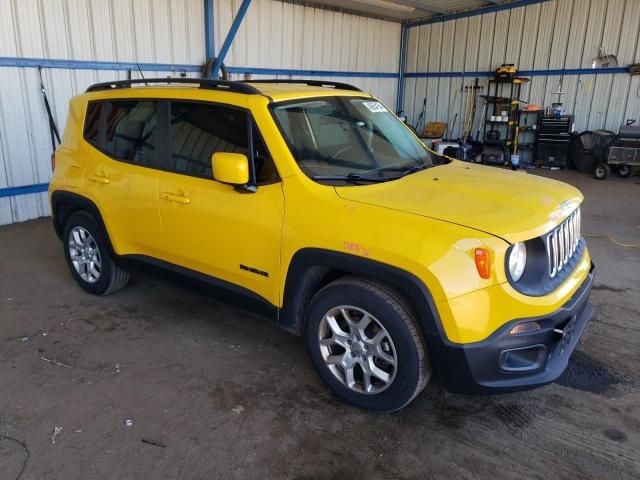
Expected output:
(324, 211)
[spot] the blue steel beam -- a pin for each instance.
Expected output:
(209, 29)
(524, 73)
(498, 7)
(94, 65)
(165, 67)
(310, 73)
(237, 21)
(23, 190)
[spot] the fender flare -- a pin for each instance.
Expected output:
(310, 267)
(65, 203)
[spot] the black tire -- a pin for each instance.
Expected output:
(624, 171)
(391, 311)
(111, 277)
(601, 171)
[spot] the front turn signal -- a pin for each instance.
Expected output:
(483, 263)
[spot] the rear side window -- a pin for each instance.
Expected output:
(125, 130)
(199, 130)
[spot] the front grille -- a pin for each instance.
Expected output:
(562, 243)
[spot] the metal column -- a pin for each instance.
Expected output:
(237, 21)
(209, 29)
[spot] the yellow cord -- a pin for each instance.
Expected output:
(613, 240)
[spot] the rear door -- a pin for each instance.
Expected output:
(211, 227)
(122, 174)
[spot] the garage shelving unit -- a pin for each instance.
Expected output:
(502, 95)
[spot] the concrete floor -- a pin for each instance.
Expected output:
(227, 395)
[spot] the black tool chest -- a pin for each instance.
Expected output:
(553, 140)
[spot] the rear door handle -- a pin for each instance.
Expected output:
(98, 179)
(175, 198)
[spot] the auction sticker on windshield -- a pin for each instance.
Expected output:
(374, 107)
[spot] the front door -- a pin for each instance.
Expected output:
(211, 227)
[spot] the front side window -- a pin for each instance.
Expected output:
(199, 130)
(350, 138)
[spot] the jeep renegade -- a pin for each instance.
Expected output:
(317, 203)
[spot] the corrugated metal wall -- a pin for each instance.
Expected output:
(99, 30)
(290, 36)
(273, 35)
(559, 34)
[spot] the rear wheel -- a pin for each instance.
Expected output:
(88, 256)
(365, 344)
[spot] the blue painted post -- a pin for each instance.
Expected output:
(401, 69)
(209, 29)
(230, 36)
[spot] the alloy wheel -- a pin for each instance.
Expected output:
(357, 349)
(84, 254)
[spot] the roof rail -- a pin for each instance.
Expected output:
(236, 87)
(311, 83)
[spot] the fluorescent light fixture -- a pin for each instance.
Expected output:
(386, 5)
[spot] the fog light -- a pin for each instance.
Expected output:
(525, 327)
(523, 359)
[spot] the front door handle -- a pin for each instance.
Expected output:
(98, 179)
(175, 198)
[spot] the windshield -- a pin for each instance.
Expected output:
(350, 139)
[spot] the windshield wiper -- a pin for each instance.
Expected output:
(408, 170)
(353, 177)
(416, 168)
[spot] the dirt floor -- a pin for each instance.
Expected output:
(215, 392)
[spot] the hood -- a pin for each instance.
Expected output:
(515, 206)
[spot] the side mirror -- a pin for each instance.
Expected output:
(231, 168)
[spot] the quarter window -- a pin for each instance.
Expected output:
(92, 124)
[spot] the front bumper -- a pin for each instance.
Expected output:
(505, 362)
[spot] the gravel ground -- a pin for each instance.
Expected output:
(215, 392)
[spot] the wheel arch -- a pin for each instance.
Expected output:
(63, 204)
(311, 268)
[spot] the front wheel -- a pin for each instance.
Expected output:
(365, 344)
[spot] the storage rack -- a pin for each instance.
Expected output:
(528, 125)
(496, 103)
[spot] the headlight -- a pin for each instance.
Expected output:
(517, 261)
